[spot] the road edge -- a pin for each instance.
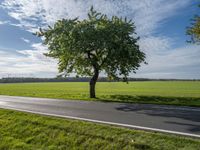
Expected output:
(106, 122)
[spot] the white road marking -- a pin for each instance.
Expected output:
(2, 103)
(106, 122)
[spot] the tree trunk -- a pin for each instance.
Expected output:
(93, 83)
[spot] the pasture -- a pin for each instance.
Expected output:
(155, 92)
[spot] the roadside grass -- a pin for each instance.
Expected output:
(19, 130)
(185, 93)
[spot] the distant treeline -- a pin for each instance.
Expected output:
(83, 79)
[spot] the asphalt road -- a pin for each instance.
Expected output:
(171, 119)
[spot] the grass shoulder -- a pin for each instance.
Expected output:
(29, 131)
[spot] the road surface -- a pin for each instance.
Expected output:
(171, 119)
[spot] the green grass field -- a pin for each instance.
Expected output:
(166, 92)
(23, 131)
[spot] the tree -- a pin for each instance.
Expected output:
(98, 43)
(194, 30)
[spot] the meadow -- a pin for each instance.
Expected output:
(29, 132)
(185, 93)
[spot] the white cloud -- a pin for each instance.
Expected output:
(152, 45)
(148, 15)
(25, 40)
(26, 62)
(182, 62)
(3, 22)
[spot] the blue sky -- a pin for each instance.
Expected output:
(161, 25)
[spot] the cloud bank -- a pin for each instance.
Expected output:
(26, 63)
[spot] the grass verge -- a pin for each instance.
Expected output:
(19, 130)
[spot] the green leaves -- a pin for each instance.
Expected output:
(100, 43)
(194, 30)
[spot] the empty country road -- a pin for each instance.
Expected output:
(171, 119)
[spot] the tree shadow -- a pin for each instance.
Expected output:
(193, 127)
(192, 114)
(180, 101)
(188, 113)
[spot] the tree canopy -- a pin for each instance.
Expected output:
(98, 43)
(194, 30)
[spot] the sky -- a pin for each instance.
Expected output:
(160, 24)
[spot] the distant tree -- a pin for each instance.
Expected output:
(98, 43)
(194, 30)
